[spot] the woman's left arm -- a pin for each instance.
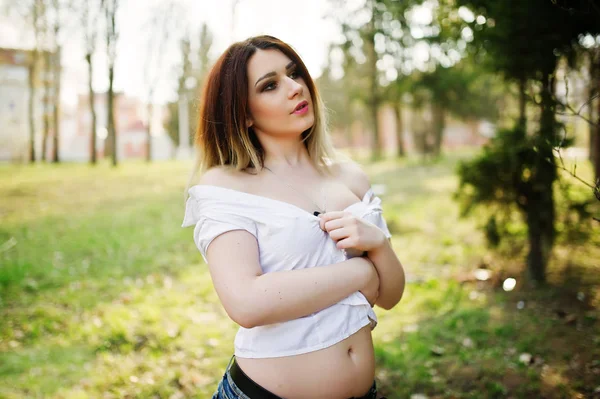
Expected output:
(391, 275)
(350, 232)
(353, 233)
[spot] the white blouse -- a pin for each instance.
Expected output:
(288, 238)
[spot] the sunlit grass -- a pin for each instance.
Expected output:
(103, 294)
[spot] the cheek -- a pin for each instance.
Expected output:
(266, 109)
(267, 112)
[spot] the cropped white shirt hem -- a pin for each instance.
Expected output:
(249, 353)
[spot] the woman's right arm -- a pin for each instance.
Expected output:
(252, 298)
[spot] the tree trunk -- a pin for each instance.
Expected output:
(348, 126)
(31, 105)
(149, 134)
(540, 212)
(373, 95)
(439, 123)
(110, 11)
(591, 93)
(376, 151)
(523, 104)
(419, 130)
(112, 131)
(56, 118)
(399, 130)
(92, 98)
(536, 261)
(595, 128)
(46, 104)
(596, 149)
(593, 131)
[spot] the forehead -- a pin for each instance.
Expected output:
(265, 61)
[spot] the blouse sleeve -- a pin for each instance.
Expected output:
(380, 222)
(375, 214)
(211, 220)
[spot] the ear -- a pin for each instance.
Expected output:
(249, 122)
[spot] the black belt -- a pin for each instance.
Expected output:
(255, 391)
(247, 386)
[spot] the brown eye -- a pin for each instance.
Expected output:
(269, 86)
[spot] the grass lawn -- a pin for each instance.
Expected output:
(103, 294)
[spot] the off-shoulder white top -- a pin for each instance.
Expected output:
(288, 238)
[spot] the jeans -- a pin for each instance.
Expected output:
(228, 390)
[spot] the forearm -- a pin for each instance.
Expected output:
(391, 275)
(281, 296)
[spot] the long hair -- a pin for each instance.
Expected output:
(222, 138)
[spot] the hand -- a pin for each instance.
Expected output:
(350, 232)
(371, 288)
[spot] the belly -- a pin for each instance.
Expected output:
(341, 371)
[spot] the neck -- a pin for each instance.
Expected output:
(286, 156)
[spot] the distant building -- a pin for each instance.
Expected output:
(75, 123)
(15, 65)
(131, 129)
(456, 133)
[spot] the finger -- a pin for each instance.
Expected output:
(339, 234)
(333, 224)
(345, 243)
(335, 215)
(331, 215)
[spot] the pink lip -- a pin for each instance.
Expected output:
(303, 110)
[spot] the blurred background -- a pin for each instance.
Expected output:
(478, 122)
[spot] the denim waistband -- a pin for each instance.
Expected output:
(229, 390)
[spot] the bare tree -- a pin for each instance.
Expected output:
(90, 13)
(374, 100)
(565, 108)
(57, 26)
(204, 61)
(595, 127)
(162, 26)
(32, 12)
(46, 65)
(110, 8)
(198, 74)
(59, 9)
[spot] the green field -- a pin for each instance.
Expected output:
(104, 295)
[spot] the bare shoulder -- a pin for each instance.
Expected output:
(221, 176)
(352, 175)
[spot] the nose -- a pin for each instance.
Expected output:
(295, 88)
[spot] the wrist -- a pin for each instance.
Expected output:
(365, 266)
(379, 248)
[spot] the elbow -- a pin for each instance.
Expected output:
(247, 309)
(390, 301)
(244, 319)
(387, 305)
(246, 313)
(246, 322)
(396, 294)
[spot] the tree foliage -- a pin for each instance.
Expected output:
(524, 41)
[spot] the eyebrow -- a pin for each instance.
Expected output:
(268, 75)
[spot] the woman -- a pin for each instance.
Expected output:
(296, 245)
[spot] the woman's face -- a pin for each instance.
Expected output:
(276, 95)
